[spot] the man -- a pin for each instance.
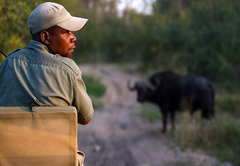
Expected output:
(43, 74)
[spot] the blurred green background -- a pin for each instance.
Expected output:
(189, 36)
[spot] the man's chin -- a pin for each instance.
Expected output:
(67, 56)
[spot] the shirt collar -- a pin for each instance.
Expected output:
(35, 45)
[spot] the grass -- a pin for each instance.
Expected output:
(95, 89)
(150, 112)
(219, 137)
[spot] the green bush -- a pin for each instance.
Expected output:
(95, 89)
(229, 103)
(94, 85)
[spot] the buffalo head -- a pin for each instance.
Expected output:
(144, 89)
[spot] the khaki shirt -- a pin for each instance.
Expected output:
(35, 76)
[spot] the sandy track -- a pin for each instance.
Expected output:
(117, 136)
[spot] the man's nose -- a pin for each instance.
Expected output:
(73, 38)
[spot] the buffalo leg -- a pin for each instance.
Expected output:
(173, 119)
(164, 120)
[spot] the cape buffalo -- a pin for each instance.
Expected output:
(172, 92)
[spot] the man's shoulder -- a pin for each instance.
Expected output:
(15, 51)
(69, 63)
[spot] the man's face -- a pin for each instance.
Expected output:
(61, 41)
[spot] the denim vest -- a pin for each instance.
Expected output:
(35, 76)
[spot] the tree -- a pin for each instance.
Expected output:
(212, 39)
(14, 30)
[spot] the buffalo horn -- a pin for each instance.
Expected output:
(150, 86)
(129, 87)
(153, 87)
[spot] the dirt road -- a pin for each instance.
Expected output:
(118, 136)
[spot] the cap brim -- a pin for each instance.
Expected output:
(73, 23)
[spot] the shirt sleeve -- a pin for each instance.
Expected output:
(82, 101)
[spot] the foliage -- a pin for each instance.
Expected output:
(95, 89)
(212, 39)
(13, 24)
(206, 37)
(94, 85)
(14, 29)
(113, 43)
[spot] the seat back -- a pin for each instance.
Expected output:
(39, 136)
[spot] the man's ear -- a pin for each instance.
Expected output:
(45, 37)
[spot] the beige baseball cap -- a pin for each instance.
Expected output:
(49, 14)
